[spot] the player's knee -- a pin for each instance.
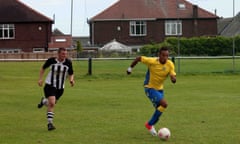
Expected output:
(51, 104)
(161, 108)
(163, 105)
(51, 101)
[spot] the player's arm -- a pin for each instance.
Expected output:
(70, 73)
(172, 73)
(135, 61)
(40, 80)
(71, 79)
(173, 78)
(42, 70)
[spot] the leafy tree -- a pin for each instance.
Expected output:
(79, 48)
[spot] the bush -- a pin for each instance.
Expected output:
(208, 46)
(152, 49)
(195, 46)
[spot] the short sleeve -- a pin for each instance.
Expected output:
(48, 62)
(172, 68)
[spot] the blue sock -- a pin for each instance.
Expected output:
(155, 117)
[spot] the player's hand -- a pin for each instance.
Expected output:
(40, 82)
(173, 79)
(72, 82)
(129, 70)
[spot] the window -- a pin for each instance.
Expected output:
(181, 6)
(173, 27)
(138, 28)
(38, 50)
(60, 40)
(4, 51)
(7, 31)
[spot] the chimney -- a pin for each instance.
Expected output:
(195, 21)
(195, 11)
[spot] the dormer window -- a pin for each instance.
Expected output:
(181, 6)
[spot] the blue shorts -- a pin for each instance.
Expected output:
(155, 96)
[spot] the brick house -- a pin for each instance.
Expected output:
(59, 39)
(139, 22)
(23, 29)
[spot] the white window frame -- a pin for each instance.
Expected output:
(7, 31)
(138, 28)
(173, 27)
(10, 51)
(60, 40)
(38, 50)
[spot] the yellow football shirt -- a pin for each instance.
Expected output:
(157, 72)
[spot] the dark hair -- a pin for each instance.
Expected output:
(163, 49)
(61, 49)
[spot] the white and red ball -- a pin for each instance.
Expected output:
(164, 133)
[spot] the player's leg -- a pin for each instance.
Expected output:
(160, 108)
(50, 112)
(159, 103)
(50, 93)
(43, 101)
(52, 100)
(150, 93)
(59, 94)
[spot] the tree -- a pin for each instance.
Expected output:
(79, 48)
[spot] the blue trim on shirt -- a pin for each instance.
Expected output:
(147, 77)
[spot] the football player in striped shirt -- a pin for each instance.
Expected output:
(159, 69)
(60, 68)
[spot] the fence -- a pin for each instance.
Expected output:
(217, 64)
(45, 55)
(183, 65)
(30, 56)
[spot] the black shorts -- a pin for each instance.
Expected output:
(52, 91)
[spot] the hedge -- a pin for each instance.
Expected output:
(196, 46)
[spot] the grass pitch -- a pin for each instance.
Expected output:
(110, 107)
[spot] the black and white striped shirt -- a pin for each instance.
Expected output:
(58, 72)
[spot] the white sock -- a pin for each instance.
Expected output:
(50, 116)
(45, 101)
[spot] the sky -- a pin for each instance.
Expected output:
(86, 9)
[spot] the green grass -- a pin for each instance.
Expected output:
(110, 107)
(200, 66)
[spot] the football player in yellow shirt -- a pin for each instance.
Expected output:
(158, 70)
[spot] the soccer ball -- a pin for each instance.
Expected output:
(164, 133)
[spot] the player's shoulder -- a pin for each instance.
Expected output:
(169, 62)
(51, 59)
(68, 61)
(149, 58)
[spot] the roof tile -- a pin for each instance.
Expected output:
(16, 11)
(150, 9)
